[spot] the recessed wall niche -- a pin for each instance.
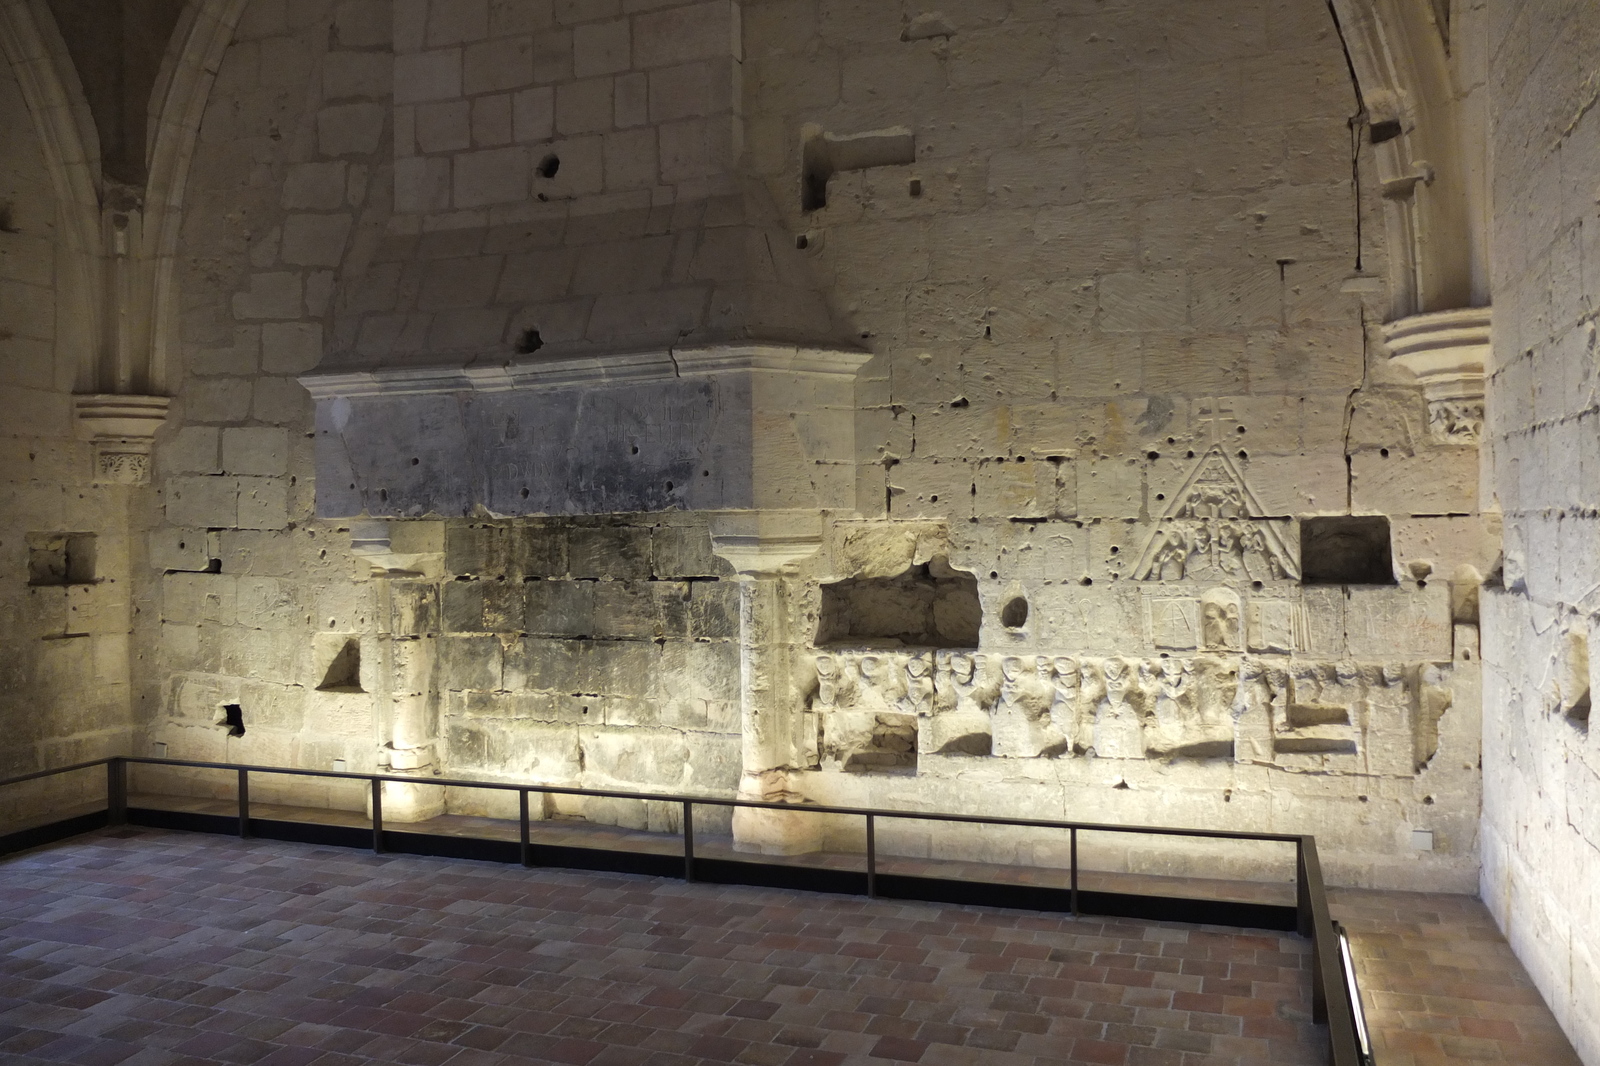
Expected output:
(932, 605)
(61, 558)
(1346, 550)
(338, 662)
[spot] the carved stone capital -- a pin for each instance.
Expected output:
(764, 543)
(1446, 350)
(122, 429)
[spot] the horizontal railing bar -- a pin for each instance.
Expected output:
(711, 801)
(37, 774)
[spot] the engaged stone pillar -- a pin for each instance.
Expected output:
(408, 702)
(762, 547)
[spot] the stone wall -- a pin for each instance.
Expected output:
(64, 694)
(1541, 765)
(1124, 345)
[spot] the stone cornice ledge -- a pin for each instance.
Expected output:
(588, 371)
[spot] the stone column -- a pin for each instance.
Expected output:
(764, 547)
(407, 640)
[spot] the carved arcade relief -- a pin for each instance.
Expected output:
(878, 710)
(1214, 531)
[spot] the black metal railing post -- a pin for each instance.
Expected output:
(244, 803)
(377, 816)
(688, 840)
(1074, 858)
(116, 791)
(872, 857)
(527, 841)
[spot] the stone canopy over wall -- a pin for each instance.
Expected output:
(1083, 305)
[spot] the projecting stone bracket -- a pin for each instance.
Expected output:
(1446, 350)
(122, 429)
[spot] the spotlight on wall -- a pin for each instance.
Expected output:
(1357, 1011)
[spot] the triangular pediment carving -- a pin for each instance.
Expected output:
(1215, 529)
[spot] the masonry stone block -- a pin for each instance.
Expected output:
(494, 176)
(350, 129)
(497, 64)
(424, 76)
(192, 450)
(614, 552)
(683, 34)
(255, 450)
(203, 501)
(601, 48)
(270, 295)
(263, 503)
(560, 608)
(445, 126)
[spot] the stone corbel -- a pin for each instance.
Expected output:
(1446, 350)
(122, 429)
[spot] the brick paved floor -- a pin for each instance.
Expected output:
(1441, 984)
(148, 948)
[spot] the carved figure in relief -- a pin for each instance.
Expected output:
(1118, 733)
(1252, 714)
(1064, 702)
(1219, 620)
(918, 698)
(944, 688)
(1020, 728)
(1209, 532)
(1434, 698)
(827, 681)
(1172, 705)
(1172, 560)
(870, 690)
(960, 723)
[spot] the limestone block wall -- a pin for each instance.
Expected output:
(1541, 764)
(248, 600)
(64, 694)
(1126, 261)
(1122, 298)
(601, 654)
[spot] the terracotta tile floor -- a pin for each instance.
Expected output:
(1441, 984)
(146, 947)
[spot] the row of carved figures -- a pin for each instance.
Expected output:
(1206, 706)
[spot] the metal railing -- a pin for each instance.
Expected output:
(1330, 978)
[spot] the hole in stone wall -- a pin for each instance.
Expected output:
(1346, 550)
(932, 605)
(548, 166)
(530, 342)
(8, 223)
(915, 186)
(344, 672)
(1575, 699)
(802, 242)
(230, 716)
(61, 559)
(1014, 615)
